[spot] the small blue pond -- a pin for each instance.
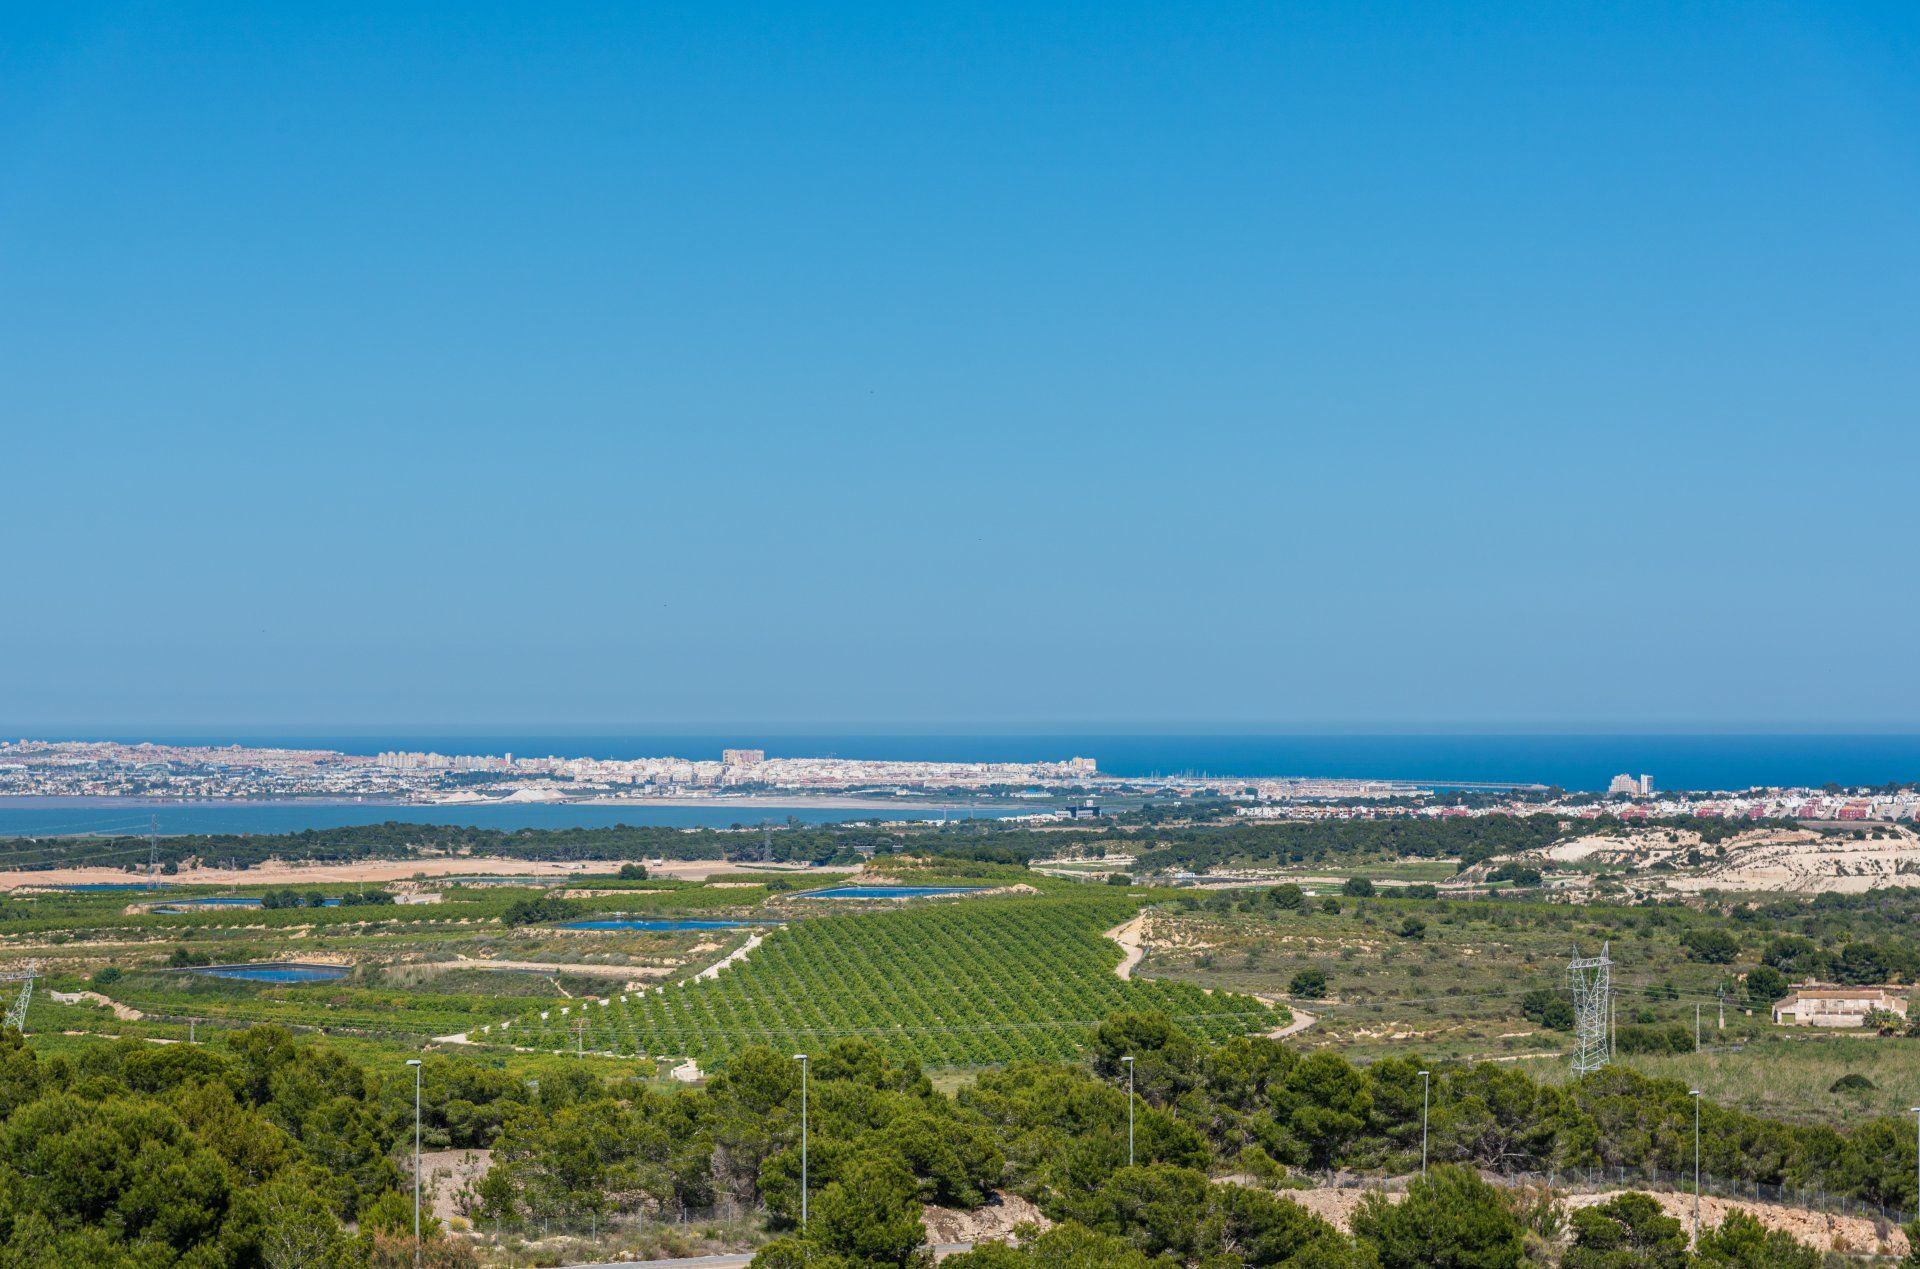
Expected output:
(636, 923)
(274, 972)
(887, 892)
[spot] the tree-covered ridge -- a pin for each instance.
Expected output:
(1172, 841)
(396, 839)
(1470, 840)
(1251, 1109)
(255, 1152)
(141, 1155)
(1163, 845)
(950, 983)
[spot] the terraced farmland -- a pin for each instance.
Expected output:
(957, 983)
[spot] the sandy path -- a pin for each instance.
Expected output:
(737, 954)
(1301, 1021)
(1130, 936)
(710, 972)
(126, 1013)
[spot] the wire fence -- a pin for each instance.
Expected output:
(674, 1229)
(677, 1230)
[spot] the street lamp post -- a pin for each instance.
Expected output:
(1695, 1094)
(1426, 1087)
(415, 1064)
(1129, 1063)
(801, 1058)
(1916, 1161)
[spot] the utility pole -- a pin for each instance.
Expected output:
(1129, 1063)
(153, 847)
(1426, 1087)
(1721, 993)
(1695, 1094)
(801, 1058)
(1696, 1026)
(1916, 1158)
(415, 1064)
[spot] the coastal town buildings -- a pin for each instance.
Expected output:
(238, 772)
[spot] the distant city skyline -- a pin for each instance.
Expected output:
(1590, 760)
(728, 729)
(1324, 366)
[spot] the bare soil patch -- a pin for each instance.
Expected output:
(995, 1221)
(1823, 1231)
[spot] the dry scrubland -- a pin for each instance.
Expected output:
(973, 983)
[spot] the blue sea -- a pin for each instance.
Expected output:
(1586, 761)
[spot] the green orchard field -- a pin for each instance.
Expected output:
(948, 982)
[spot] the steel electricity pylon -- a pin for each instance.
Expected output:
(1590, 979)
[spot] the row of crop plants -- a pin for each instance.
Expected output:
(960, 983)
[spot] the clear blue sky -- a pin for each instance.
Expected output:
(1273, 365)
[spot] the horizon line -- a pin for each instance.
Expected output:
(1319, 729)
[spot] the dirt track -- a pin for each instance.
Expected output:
(126, 1013)
(1129, 935)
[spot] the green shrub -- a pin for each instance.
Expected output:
(1451, 1219)
(1716, 947)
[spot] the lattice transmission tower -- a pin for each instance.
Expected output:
(17, 1011)
(1590, 979)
